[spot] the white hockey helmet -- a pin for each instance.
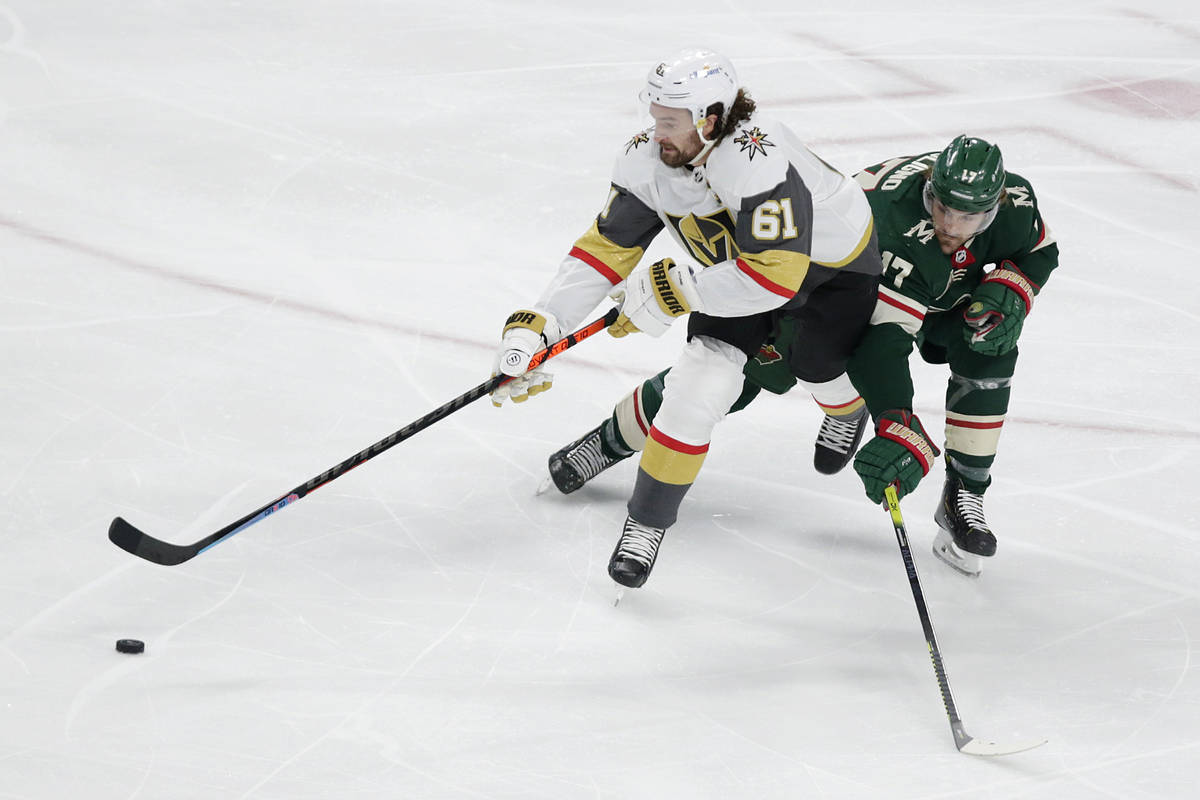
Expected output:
(693, 79)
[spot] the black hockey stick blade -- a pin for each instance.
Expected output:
(145, 546)
(131, 540)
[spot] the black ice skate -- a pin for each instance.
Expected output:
(579, 462)
(635, 553)
(964, 537)
(837, 441)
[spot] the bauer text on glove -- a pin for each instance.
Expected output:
(655, 297)
(900, 453)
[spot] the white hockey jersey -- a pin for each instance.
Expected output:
(765, 218)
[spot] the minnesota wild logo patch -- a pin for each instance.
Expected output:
(768, 355)
(754, 141)
(641, 139)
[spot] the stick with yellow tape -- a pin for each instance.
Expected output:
(962, 740)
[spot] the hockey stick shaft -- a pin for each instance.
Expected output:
(962, 740)
(965, 743)
(140, 544)
(914, 582)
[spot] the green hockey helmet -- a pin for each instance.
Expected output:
(968, 176)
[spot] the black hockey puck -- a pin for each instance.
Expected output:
(130, 646)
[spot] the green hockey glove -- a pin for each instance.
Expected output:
(900, 453)
(998, 309)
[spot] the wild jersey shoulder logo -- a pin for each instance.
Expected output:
(637, 141)
(922, 231)
(709, 238)
(754, 141)
(1019, 196)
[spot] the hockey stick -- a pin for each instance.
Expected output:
(132, 540)
(962, 740)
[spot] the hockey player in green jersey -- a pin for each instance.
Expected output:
(941, 218)
(965, 253)
(771, 230)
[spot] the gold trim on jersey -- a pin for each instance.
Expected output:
(620, 260)
(778, 271)
(858, 248)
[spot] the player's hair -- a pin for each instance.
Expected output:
(742, 108)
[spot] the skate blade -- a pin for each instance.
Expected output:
(620, 594)
(965, 564)
(546, 485)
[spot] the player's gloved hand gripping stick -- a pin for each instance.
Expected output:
(130, 539)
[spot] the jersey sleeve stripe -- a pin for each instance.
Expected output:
(596, 264)
(612, 260)
(893, 307)
(1045, 240)
(789, 267)
(903, 302)
(895, 301)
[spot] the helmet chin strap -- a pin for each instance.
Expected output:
(703, 154)
(708, 144)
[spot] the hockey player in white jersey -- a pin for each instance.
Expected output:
(773, 231)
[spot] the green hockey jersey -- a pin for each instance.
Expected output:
(920, 280)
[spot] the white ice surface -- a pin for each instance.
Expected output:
(240, 241)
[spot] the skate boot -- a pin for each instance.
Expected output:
(964, 538)
(838, 440)
(635, 553)
(579, 462)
